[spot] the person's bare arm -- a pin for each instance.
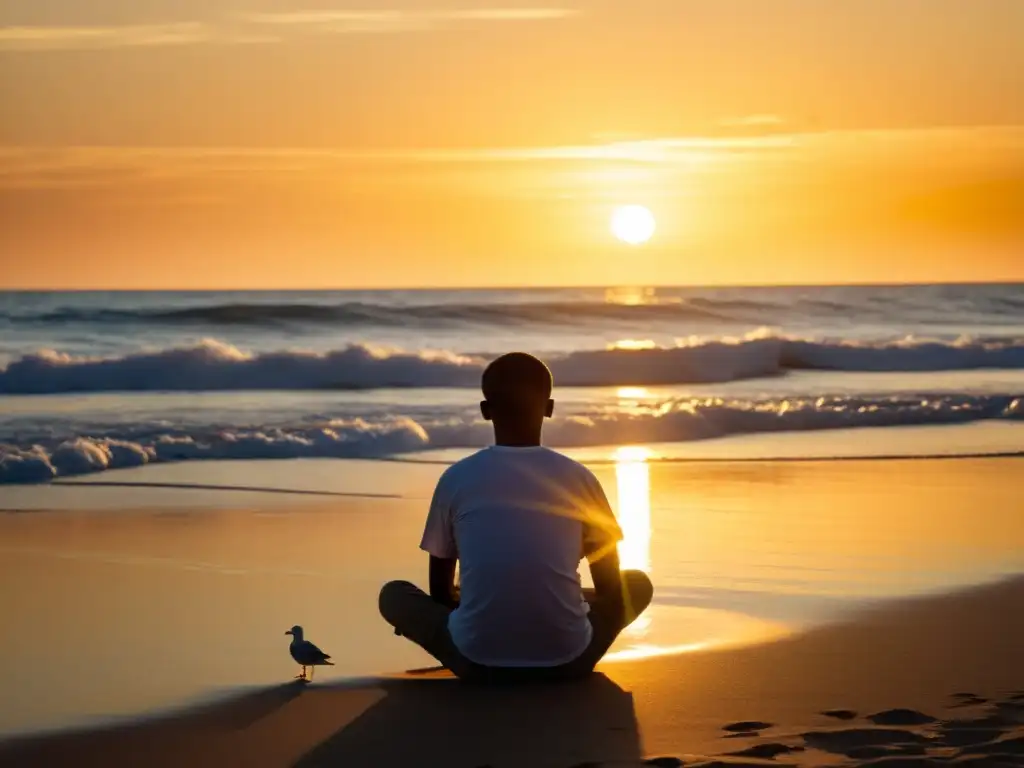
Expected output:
(442, 581)
(601, 534)
(439, 542)
(607, 577)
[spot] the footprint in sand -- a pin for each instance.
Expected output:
(964, 699)
(907, 755)
(840, 714)
(746, 726)
(1012, 749)
(995, 740)
(768, 751)
(901, 717)
(852, 741)
(952, 736)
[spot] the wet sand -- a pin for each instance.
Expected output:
(936, 681)
(134, 609)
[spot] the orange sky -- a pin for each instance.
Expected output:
(272, 143)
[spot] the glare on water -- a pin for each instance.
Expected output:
(633, 481)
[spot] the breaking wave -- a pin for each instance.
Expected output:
(216, 366)
(28, 459)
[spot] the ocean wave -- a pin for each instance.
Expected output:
(216, 366)
(40, 459)
(894, 305)
(369, 314)
(910, 354)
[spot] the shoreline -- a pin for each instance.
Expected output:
(202, 481)
(911, 654)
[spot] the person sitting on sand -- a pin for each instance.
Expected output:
(518, 517)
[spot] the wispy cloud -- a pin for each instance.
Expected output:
(261, 27)
(26, 167)
(391, 20)
(125, 36)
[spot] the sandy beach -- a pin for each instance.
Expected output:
(932, 682)
(153, 631)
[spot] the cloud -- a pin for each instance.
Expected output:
(45, 167)
(392, 21)
(339, 22)
(126, 36)
(260, 27)
(75, 167)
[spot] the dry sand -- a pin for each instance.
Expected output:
(952, 668)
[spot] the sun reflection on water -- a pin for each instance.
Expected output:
(633, 480)
(630, 296)
(680, 628)
(633, 345)
(633, 393)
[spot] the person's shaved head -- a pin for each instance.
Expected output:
(517, 398)
(516, 378)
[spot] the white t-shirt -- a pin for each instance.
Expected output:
(519, 520)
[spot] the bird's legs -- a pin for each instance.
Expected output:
(311, 671)
(303, 675)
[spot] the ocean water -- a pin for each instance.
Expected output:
(102, 380)
(740, 552)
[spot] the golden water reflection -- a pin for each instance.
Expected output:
(633, 484)
(633, 345)
(633, 393)
(680, 629)
(630, 295)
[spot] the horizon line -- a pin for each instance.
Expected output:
(513, 287)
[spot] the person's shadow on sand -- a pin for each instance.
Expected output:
(441, 722)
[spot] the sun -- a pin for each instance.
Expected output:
(633, 224)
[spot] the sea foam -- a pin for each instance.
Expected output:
(45, 457)
(216, 366)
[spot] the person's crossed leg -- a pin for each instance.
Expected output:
(417, 616)
(638, 591)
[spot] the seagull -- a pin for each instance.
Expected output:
(306, 654)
